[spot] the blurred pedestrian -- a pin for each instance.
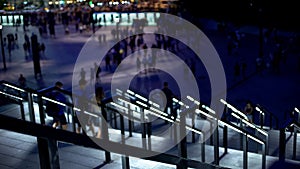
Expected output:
(22, 80)
(81, 101)
(59, 119)
(248, 110)
(42, 48)
(169, 101)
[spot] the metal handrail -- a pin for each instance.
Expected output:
(262, 112)
(292, 124)
(246, 135)
(191, 128)
(241, 117)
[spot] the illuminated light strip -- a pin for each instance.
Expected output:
(180, 103)
(186, 106)
(236, 116)
(233, 108)
(262, 131)
(90, 114)
(193, 100)
(209, 109)
(248, 123)
(34, 95)
(205, 114)
(251, 125)
(255, 139)
(196, 102)
(178, 119)
(155, 104)
(190, 98)
(223, 101)
(141, 97)
(54, 101)
(142, 104)
(193, 130)
(233, 128)
(260, 111)
(175, 100)
(297, 110)
(115, 104)
(158, 111)
(130, 92)
(122, 100)
(76, 109)
(240, 113)
(14, 87)
(128, 96)
(19, 98)
(119, 91)
(162, 117)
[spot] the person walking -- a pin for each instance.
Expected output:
(35, 56)
(22, 80)
(81, 97)
(168, 103)
(59, 118)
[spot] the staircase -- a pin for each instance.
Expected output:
(217, 151)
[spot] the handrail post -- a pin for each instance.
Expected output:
(143, 125)
(271, 120)
(129, 120)
(261, 119)
(216, 144)
(245, 151)
(295, 143)
(125, 162)
(149, 127)
(267, 144)
(203, 148)
(264, 151)
(122, 128)
(225, 139)
(41, 110)
(48, 153)
(22, 110)
(193, 126)
(282, 145)
(182, 149)
(211, 132)
(104, 132)
(73, 119)
(241, 136)
(113, 116)
(30, 107)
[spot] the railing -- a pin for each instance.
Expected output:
(38, 97)
(264, 114)
(246, 135)
(244, 123)
(296, 114)
(133, 106)
(295, 128)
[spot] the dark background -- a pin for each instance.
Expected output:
(282, 14)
